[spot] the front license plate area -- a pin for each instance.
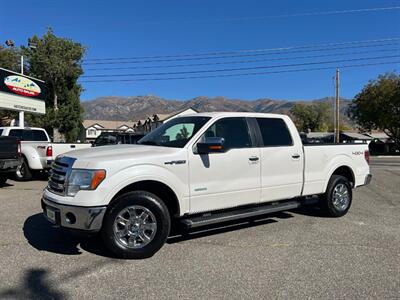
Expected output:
(51, 215)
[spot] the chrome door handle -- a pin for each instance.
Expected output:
(254, 158)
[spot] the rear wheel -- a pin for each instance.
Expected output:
(23, 172)
(337, 199)
(137, 225)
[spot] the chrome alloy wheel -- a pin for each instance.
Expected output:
(135, 227)
(341, 197)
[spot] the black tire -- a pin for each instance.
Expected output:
(3, 180)
(150, 202)
(328, 204)
(23, 172)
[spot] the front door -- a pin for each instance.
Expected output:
(227, 179)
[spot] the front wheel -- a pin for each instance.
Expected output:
(337, 199)
(137, 225)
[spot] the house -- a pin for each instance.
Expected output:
(151, 123)
(381, 143)
(93, 128)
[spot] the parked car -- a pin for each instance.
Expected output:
(10, 157)
(38, 152)
(198, 170)
(114, 138)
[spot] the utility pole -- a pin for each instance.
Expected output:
(21, 113)
(337, 125)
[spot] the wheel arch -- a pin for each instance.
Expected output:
(158, 188)
(345, 171)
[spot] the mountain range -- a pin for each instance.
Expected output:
(134, 108)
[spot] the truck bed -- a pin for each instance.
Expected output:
(322, 159)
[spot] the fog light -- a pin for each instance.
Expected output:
(70, 218)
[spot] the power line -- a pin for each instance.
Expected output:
(246, 50)
(240, 61)
(239, 74)
(306, 14)
(239, 69)
(241, 55)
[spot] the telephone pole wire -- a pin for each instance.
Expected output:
(337, 127)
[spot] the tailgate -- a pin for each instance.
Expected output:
(61, 148)
(8, 147)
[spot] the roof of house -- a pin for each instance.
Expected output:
(378, 135)
(107, 124)
(164, 117)
(357, 136)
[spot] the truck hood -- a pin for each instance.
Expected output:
(121, 152)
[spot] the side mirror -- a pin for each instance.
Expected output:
(210, 145)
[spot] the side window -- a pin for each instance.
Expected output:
(39, 135)
(274, 132)
(234, 131)
(16, 133)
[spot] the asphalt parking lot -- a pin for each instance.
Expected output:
(296, 254)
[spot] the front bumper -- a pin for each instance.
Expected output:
(74, 217)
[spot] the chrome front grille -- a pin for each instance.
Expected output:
(59, 174)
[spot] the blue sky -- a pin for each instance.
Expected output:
(145, 28)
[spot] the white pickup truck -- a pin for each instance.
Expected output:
(198, 170)
(38, 152)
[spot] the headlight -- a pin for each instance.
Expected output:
(84, 180)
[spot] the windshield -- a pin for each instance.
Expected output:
(175, 133)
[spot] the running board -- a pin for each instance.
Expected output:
(218, 217)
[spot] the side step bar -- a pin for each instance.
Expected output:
(217, 217)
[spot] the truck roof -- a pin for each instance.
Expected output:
(235, 114)
(16, 127)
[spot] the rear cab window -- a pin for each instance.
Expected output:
(29, 135)
(16, 133)
(274, 132)
(39, 135)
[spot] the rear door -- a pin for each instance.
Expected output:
(228, 179)
(281, 161)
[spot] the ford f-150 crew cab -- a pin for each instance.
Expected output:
(38, 152)
(198, 170)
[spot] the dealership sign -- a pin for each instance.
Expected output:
(21, 93)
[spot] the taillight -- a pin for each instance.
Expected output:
(49, 151)
(366, 155)
(19, 148)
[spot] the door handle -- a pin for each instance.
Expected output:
(296, 156)
(254, 158)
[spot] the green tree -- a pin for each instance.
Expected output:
(183, 133)
(314, 117)
(10, 58)
(377, 106)
(58, 61)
